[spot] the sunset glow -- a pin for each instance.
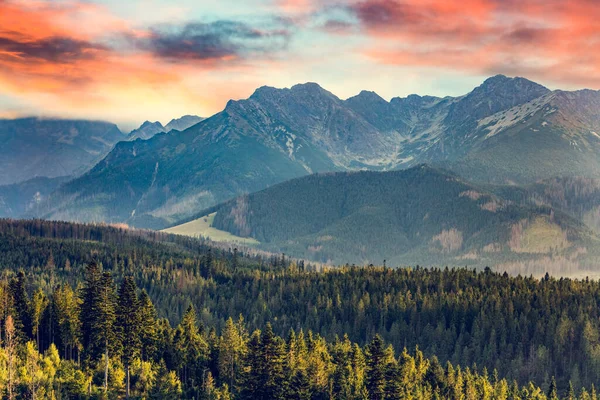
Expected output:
(151, 60)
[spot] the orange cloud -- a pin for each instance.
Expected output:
(76, 58)
(553, 40)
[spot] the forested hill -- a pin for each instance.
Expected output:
(521, 327)
(419, 215)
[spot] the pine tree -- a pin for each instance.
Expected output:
(393, 382)
(39, 303)
(31, 374)
(168, 386)
(66, 308)
(10, 348)
(148, 327)
(105, 324)
(553, 390)
(249, 384)
(571, 392)
(271, 372)
(191, 347)
(299, 388)
(22, 318)
(98, 317)
(376, 368)
(90, 298)
(232, 349)
(129, 325)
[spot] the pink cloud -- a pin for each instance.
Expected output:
(555, 40)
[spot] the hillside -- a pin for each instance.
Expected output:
(507, 130)
(578, 196)
(20, 199)
(52, 148)
(419, 215)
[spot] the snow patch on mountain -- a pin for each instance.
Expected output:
(519, 114)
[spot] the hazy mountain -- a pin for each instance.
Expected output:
(20, 199)
(181, 124)
(146, 130)
(34, 147)
(579, 197)
(416, 215)
(149, 129)
(507, 130)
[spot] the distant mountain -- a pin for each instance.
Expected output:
(181, 124)
(146, 130)
(149, 129)
(21, 199)
(34, 147)
(418, 215)
(507, 130)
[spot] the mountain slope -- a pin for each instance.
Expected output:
(554, 135)
(51, 148)
(20, 199)
(579, 197)
(419, 215)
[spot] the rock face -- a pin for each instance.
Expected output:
(33, 147)
(507, 130)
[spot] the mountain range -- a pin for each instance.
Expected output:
(36, 147)
(507, 130)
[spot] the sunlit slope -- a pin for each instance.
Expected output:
(202, 227)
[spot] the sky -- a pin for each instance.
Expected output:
(136, 60)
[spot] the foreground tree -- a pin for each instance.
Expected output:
(98, 317)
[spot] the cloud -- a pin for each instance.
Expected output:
(53, 49)
(551, 40)
(220, 40)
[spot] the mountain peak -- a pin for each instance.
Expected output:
(148, 123)
(499, 81)
(367, 95)
(496, 94)
(307, 86)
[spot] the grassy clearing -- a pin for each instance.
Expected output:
(203, 227)
(543, 236)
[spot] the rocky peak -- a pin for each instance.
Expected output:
(495, 94)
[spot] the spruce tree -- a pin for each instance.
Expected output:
(271, 373)
(22, 316)
(129, 325)
(39, 303)
(376, 368)
(553, 390)
(148, 329)
(98, 317)
(190, 346)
